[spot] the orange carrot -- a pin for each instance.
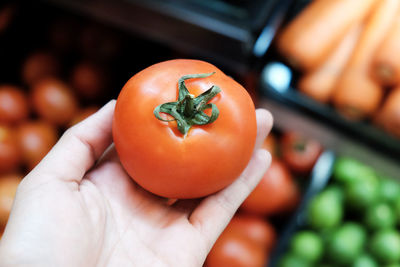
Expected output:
(389, 115)
(386, 63)
(315, 32)
(319, 83)
(356, 94)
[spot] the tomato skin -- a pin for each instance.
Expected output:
(163, 161)
(39, 65)
(255, 228)
(13, 104)
(10, 154)
(235, 250)
(89, 80)
(54, 101)
(299, 153)
(36, 138)
(276, 193)
(8, 188)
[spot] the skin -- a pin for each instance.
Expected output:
(78, 207)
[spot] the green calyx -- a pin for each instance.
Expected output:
(188, 110)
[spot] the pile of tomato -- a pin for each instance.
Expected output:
(250, 237)
(46, 91)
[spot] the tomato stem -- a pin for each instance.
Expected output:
(189, 110)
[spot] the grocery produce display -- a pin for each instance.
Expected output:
(353, 221)
(334, 65)
(347, 62)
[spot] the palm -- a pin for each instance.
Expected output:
(135, 220)
(65, 215)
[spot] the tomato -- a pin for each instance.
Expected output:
(255, 228)
(38, 66)
(270, 144)
(62, 34)
(6, 16)
(83, 114)
(277, 192)
(300, 153)
(89, 80)
(98, 43)
(10, 155)
(8, 188)
(235, 250)
(13, 104)
(36, 138)
(167, 162)
(54, 101)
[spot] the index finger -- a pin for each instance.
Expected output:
(215, 211)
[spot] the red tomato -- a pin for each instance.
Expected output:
(8, 188)
(235, 250)
(299, 153)
(255, 228)
(54, 101)
(276, 193)
(98, 43)
(36, 138)
(10, 154)
(62, 34)
(270, 144)
(162, 159)
(89, 80)
(6, 15)
(13, 104)
(38, 66)
(83, 114)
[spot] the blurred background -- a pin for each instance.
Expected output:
(329, 72)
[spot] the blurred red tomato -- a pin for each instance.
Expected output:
(83, 114)
(13, 104)
(89, 80)
(99, 43)
(276, 193)
(255, 228)
(8, 188)
(6, 15)
(38, 66)
(270, 144)
(299, 153)
(235, 250)
(36, 138)
(54, 101)
(63, 32)
(10, 154)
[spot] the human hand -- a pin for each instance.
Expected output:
(79, 207)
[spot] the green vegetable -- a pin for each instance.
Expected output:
(380, 216)
(325, 210)
(307, 245)
(348, 169)
(389, 190)
(397, 208)
(290, 260)
(364, 260)
(385, 246)
(362, 192)
(346, 244)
